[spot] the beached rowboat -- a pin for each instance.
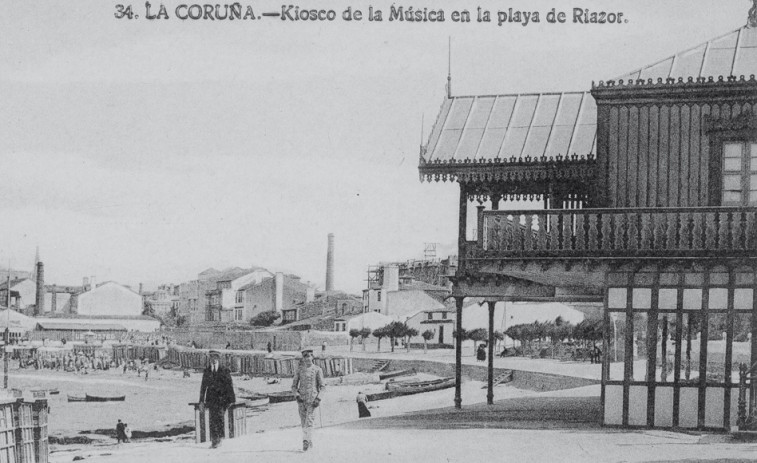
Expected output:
(95, 398)
(254, 399)
(276, 397)
(414, 387)
(394, 374)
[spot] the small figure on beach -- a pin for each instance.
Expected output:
(362, 405)
(127, 432)
(268, 347)
(228, 345)
(323, 349)
(481, 353)
(217, 394)
(120, 432)
(307, 385)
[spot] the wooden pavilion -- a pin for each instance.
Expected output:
(649, 191)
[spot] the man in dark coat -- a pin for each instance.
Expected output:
(217, 394)
(120, 432)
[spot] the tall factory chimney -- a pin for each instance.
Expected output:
(39, 305)
(330, 264)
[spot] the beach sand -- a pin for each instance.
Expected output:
(161, 404)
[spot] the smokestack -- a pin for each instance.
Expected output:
(39, 305)
(278, 293)
(54, 300)
(140, 289)
(85, 283)
(330, 264)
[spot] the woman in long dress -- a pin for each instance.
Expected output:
(362, 405)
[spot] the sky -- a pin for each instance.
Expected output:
(149, 150)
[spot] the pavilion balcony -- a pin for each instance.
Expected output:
(694, 232)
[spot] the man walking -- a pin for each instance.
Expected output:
(307, 384)
(217, 394)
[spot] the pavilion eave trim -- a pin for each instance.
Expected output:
(509, 170)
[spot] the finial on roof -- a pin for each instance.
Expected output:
(449, 67)
(752, 18)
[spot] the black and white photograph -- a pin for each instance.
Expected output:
(378, 231)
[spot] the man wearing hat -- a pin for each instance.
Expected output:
(307, 384)
(216, 393)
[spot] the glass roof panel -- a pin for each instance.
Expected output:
(513, 145)
(729, 41)
(480, 113)
(524, 111)
(545, 110)
(583, 140)
(536, 141)
(748, 37)
(459, 113)
(491, 143)
(503, 109)
(746, 62)
(658, 70)
(718, 62)
(447, 144)
(688, 64)
(433, 139)
(559, 141)
(469, 143)
(588, 111)
(568, 111)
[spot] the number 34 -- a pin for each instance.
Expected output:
(123, 12)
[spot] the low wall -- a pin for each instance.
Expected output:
(239, 339)
(243, 362)
(527, 380)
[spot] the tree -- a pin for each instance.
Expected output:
(463, 335)
(396, 330)
(265, 318)
(427, 335)
(409, 333)
(379, 333)
(364, 333)
(353, 334)
(478, 335)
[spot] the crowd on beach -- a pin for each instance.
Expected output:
(82, 363)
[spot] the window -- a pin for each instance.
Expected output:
(444, 315)
(238, 315)
(240, 297)
(378, 295)
(430, 316)
(739, 173)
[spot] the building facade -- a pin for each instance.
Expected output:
(648, 187)
(110, 299)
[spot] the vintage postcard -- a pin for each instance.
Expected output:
(378, 231)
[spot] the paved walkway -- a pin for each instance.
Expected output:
(368, 444)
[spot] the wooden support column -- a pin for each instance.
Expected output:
(490, 368)
(461, 240)
(459, 352)
(462, 229)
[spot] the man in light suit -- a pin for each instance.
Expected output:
(307, 385)
(217, 394)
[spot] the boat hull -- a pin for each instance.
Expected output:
(277, 397)
(94, 398)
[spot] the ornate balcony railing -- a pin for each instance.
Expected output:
(616, 233)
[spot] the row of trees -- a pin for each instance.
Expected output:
(394, 331)
(533, 335)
